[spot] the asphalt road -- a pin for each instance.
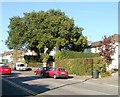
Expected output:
(25, 83)
(9, 88)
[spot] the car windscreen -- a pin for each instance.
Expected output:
(46, 68)
(21, 65)
(52, 69)
(62, 69)
(4, 66)
(40, 68)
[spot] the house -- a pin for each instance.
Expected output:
(6, 56)
(93, 47)
(1, 57)
(15, 55)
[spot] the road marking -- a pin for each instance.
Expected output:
(20, 87)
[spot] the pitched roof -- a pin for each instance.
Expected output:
(113, 38)
(7, 53)
(96, 44)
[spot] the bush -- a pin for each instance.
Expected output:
(31, 58)
(66, 54)
(35, 64)
(81, 66)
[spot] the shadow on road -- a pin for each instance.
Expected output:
(69, 77)
(69, 84)
(12, 85)
(11, 75)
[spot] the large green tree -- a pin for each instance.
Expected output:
(37, 30)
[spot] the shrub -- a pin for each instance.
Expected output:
(58, 55)
(81, 66)
(35, 64)
(66, 54)
(30, 58)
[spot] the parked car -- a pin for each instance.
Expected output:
(57, 72)
(20, 66)
(40, 70)
(5, 69)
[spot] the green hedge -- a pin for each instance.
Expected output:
(66, 54)
(35, 64)
(31, 58)
(81, 66)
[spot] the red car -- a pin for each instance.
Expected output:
(4, 69)
(40, 70)
(57, 72)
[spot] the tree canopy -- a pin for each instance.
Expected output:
(37, 30)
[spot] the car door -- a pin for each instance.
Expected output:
(0, 70)
(37, 71)
(40, 70)
(52, 72)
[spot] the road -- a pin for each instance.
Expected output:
(25, 83)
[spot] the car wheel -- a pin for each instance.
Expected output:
(46, 75)
(41, 74)
(55, 76)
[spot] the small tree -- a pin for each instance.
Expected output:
(107, 49)
(17, 56)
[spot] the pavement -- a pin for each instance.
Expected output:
(111, 80)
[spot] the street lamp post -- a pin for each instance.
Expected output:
(92, 66)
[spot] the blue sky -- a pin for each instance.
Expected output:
(97, 18)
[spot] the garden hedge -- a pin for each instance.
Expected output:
(66, 54)
(81, 66)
